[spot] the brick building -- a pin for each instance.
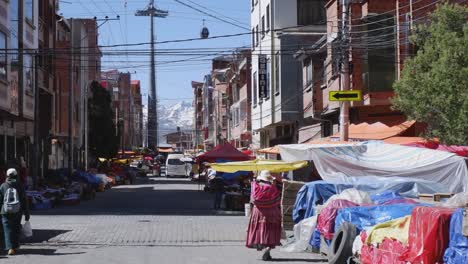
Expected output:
(137, 113)
(119, 85)
(239, 99)
(375, 63)
(198, 114)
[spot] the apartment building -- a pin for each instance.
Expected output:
(279, 28)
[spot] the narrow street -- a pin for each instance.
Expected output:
(158, 220)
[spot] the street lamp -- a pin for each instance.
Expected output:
(152, 12)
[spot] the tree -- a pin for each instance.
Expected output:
(103, 141)
(434, 84)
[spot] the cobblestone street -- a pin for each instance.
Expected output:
(158, 220)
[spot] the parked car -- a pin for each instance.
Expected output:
(175, 166)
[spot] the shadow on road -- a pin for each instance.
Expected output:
(46, 252)
(149, 196)
(42, 235)
(297, 260)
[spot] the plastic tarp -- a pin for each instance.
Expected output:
(364, 217)
(337, 163)
(388, 252)
(318, 192)
(226, 151)
(258, 165)
(352, 195)
(310, 195)
(227, 176)
(396, 229)
(428, 235)
(457, 252)
(302, 235)
(458, 200)
(326, 218)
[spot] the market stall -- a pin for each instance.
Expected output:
(241, 196)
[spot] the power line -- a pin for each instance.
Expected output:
(210, 15)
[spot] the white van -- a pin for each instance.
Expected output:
(175, 166)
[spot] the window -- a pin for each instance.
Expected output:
(311, 12)
(279, 131)
(3, 56)
(253, 38)
(29, 9)
(309, 72)
(287, 130)
(268, 18)
(255, 92)
(175, 162)
(268, 79)
(323, 75)
(28, 65)
(256, 35)
(13, 29)
(335, 50)
(263, 27)
(277, 73)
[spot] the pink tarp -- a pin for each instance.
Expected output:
(459, 150)
(326, 218)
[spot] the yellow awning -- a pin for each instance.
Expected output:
(258, 165)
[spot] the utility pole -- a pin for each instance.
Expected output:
(70, 103)
(344, 108)
(152, 127)
(36, 120)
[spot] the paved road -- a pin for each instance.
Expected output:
(157, 221)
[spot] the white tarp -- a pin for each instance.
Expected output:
(336, 163)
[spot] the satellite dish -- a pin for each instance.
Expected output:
(204, 33)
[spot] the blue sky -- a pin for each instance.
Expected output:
(173, 79)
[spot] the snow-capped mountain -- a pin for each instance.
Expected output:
(173, 116)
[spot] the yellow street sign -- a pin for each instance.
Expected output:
(345, 96)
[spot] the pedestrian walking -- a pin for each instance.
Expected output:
(217, 185)
(264, 231)
(14, 205)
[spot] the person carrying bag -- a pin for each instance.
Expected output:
(14, 206)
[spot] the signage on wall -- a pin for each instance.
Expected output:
(262, 76)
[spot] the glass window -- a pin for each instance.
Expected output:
(263, 27)
(256, 35)
(309, 72)
(255, 94)
(3, 56)
(28, 65)
(29, 9)
(253, 38)
(268, 17)
(175, 162)
(277, 73)
(14, 29)
(311, 12)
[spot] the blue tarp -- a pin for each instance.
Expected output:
(86, 177)
(309, 195)
(381, 198)
(367, 216)
(318, 192)
(457, 252)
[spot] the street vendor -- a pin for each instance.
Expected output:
(264, 230)
(217, 185)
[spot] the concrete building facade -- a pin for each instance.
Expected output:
(279, 27)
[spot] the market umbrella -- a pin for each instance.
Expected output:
(258, 165)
